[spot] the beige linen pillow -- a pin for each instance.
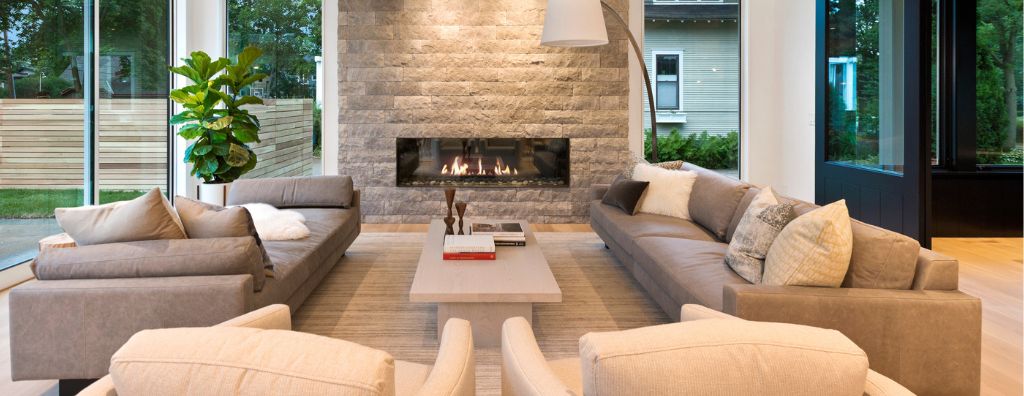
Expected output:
(144, 218)
(813, 250)
(668, 193)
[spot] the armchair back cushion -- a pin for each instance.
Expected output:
(247, 361)
(160, 258)
(294, 192)
(722, 357)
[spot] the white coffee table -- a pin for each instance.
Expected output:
(484, 292)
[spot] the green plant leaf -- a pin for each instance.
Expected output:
(247, 100)
(237, 155)
(183, 117)
(186, 71)
(248, 56)
(191, 131)
(219, 124)
(246, 135)
(202, 149)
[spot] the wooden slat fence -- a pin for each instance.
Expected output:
(41, 142)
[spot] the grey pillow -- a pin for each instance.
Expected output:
(144, 218)
(203, 220)
(146, 259)
(294, 192)
(714, 199)
(753, 238)
(625, 194)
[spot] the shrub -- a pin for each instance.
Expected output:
(703, 149)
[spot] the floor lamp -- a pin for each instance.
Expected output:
(580, 23)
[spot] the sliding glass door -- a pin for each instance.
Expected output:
(70, 123)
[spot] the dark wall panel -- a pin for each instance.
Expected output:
(977, 204)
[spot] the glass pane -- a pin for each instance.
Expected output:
(703, 126)
(933, 125)
(288, 32)
(41, 113)
(668, 95)
(132, 111)
(998, 79)
(865, 108)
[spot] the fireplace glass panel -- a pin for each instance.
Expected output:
(483, 162)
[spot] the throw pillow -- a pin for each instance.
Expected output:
(668, 193)
(813, 250)
(636, 160)
(881, 259)
(144, 218)
(203, 220)
(754, 236)
(625, 194)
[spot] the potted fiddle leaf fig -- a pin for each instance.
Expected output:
(213, 121)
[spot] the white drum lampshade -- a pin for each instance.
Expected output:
(574, 23)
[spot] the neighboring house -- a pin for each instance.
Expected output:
(692, 50)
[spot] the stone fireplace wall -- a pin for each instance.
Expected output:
(475, 68)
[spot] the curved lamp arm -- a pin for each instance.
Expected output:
(647, 79)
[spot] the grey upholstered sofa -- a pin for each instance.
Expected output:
(68, 329)
(922, 333)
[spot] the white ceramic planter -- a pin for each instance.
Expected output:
(216, 194)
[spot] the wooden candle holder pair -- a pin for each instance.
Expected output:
(460, 207)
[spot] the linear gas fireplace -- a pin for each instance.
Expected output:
(483, 162)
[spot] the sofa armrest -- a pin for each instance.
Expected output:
(936, 271)
(67, 329)
(454, 371)
(880, 385)
(524, 370)
(597, 191)
(929, 341)
(271, 317)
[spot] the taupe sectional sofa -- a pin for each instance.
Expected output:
(69, 328)
(914, 324)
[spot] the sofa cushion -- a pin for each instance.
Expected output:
(714, 199)
(294, 192)
(203, 220)
(754, 237)
(624, 194)
(813, 250)
(881, 259)
(692, 272)
(144, 218)
(294, 261)
(625, 229)
(158, 258)
(247, 361)
(668, 192)
(722, 357)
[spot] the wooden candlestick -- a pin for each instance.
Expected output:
(449, 197)
(460, 207)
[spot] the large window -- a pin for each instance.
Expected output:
(998, 78)
(289, 33)
(46, 87)
(692, 51)
(865, 102)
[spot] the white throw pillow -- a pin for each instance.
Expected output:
(813, 250)
(668, 192)
(273, 224)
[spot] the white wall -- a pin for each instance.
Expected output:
(778, 95)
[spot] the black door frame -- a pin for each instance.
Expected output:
(911, 215)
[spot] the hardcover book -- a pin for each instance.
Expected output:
(468, 244)
(503, 229)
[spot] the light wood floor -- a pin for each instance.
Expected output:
(990, 268)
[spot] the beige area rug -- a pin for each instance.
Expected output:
(365, 299)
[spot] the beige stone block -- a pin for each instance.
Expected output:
(412, 102)
(602, 74)
(600, 88)
(367, 102)
(424, 32)
(396, 88)
(374, 74)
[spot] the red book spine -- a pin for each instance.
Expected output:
(469, 256)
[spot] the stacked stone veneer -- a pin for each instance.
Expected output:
(475, 68)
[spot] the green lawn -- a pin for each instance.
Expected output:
(33, 203)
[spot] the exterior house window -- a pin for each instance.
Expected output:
(842, 76)
(668, 74)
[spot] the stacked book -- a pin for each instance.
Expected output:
(468, 247)
(504, 233)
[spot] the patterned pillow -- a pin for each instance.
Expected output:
(634, 160)
(813, 250)
(753, 238)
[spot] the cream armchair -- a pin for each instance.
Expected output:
(708, 353)
(258, 354)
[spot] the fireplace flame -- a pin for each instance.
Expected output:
(459, 167)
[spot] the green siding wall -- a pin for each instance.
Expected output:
(710, 98)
